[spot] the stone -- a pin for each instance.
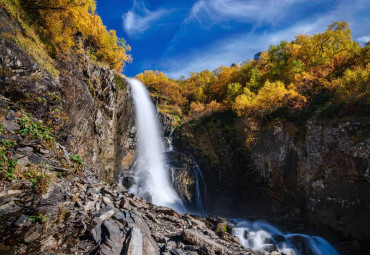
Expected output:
(196, 238)
(198, 223)
(96, 233)
(107, 201)
(171, 245)
(11, 125)
(8, 195)
(221, 227)
(135, 243)
(22, 221)
(168, 211)
(128, 181)
(34, 159)
(25, 150)
(269, 248)
(158, 237)
(44, 151)
(9, 208)
(103, 214)
(125, 204)
(32, 234)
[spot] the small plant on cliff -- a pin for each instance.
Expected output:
(39, 178)
(8, 143)
(2, 131)
(77, 162)
(118, 80)
(35, 130)
(39, 218)
(7, 164)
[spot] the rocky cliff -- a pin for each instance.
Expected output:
(88, 105)
(318, 176)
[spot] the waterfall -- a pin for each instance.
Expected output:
(261, 236)
(151, 173)
(199, 201)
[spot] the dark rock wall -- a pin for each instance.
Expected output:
(88, 105)
(322, 175)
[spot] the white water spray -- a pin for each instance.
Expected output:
(261, 236)
(150, 171)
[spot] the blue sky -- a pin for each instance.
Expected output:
(181, 36)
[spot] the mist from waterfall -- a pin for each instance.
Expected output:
(151, 173)
(262, 236)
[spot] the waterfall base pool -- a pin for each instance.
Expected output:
(262, 236)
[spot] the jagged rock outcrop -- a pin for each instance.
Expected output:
(319, 176)
(329, 169)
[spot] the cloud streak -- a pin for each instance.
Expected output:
(140, 19)
(261, 11)
(243, 46)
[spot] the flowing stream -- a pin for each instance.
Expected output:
(262, 236)
(154, 180)
(151, 173)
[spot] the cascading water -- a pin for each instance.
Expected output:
(260, 235)
(153, 179)
(150, 171)
(199, 201)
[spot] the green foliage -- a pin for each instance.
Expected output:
(8, 143)
(78, 163)
(2, 131)
(35, 130)
(39, 178)
(118, 80)
(39, 218)
(7, 164)
(77, 159)
(233, 90)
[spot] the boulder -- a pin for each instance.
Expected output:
(134, 243)
(197, 238)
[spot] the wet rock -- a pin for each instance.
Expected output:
(269, 248)
(128, 181)
(196, 238)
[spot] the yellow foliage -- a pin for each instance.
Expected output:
(271, 96)
(58, 22)
(354, 85)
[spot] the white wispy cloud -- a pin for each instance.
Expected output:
(140, 19)
(261, 11)
(244, 46)
(364, 39)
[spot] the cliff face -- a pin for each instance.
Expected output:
(329, 169)
(320, 177)
(89, 105)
